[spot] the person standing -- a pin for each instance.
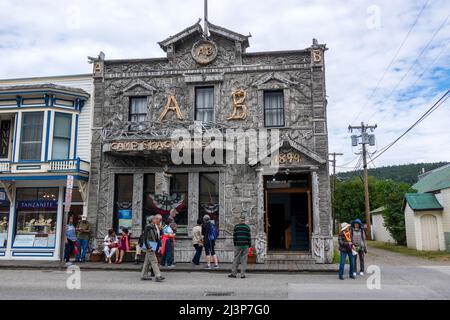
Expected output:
(168, 239)
(359, 241)
(197, 242)
(209, 233)
(345, 248)
(152, 234)
(110, 244)
(242, 242)
(71, 239)
(83, 234)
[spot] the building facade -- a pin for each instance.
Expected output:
(427, 212)
(45, 136)
(207, 82)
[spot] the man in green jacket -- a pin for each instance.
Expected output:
(242, 241)
(152, 234)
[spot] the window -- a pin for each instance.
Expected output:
(209, 196)
(4, 218)
(5, 133)
(149, 196)
(274, 108)
(204, 104)
(31, 140)
(123, 202)
(61, 136)
(36, 216)
(178, 200)
(138, 109)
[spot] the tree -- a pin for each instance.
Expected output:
(383, 193)
(392, 194)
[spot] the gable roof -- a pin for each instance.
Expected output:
(422, 202)
(379, 210)
(214, 29)
(196, 29)
(435, 180)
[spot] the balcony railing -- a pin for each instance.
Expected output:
(67, 165)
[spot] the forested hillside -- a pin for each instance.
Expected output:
(403, 173)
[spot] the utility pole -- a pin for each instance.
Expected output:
(366, 139)
(333, 193)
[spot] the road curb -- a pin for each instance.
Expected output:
(165, 270)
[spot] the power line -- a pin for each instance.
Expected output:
(414, 63)
(423, 117)
(431, 65)
(393, 59)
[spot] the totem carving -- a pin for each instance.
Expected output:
(239, 107)
(171, 105)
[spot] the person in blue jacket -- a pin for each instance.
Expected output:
(359, 241)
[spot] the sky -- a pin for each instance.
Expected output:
(43, 38)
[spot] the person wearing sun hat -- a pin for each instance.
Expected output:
(345, 249)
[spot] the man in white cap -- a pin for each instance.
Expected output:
(345, 248)
(83, 234)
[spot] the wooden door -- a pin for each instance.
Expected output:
(430, 237)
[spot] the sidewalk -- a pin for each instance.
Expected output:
(180, 267)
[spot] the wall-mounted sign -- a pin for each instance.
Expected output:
(239, 107)
(288, 158)
(171, 105)
(316, 56)
(204, 52)
(24, 241)
(154, 145)
(69, 189)
(37, 204)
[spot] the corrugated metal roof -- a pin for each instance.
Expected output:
(423, 201)
(378, 210)
(435, 180)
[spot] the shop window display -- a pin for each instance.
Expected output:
(36, 217)
(174, 204)
(123, 202)
(209, 196)
(4, 219)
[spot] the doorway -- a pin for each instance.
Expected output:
(288, 215)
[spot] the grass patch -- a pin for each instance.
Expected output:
(337, 257)
(430, 255)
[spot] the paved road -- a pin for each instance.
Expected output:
(401, 278)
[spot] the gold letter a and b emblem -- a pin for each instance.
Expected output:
(171, 105)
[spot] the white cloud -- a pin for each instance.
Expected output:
(54, 37)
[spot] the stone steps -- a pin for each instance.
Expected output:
(290, 257)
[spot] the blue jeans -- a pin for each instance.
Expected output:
(198, 254)
(342, 263)
(167, 258)
(68, 250)
(82, 248)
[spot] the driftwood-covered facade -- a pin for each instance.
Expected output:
(208, 81)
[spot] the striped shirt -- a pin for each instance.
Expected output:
(241, 236)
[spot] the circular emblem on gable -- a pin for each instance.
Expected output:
(204, 51)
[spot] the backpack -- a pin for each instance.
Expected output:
(213, 232)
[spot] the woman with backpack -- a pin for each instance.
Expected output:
(210, 233)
